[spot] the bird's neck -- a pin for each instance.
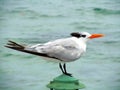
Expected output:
(81, 43)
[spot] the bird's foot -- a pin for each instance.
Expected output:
(68, 74)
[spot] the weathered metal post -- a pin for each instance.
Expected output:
(64, 82)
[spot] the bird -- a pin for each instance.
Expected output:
(62, 50)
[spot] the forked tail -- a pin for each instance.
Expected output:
(19, 47)
(14, 45)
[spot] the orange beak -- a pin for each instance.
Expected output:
(96, 36)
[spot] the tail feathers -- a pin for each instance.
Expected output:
(18, 47)
(14, 45)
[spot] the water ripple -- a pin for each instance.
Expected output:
(31, 14)
(106, 11)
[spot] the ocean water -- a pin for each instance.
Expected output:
(38, 21)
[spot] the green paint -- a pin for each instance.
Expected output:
(64, 82)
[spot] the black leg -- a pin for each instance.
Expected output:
(61, 68)
(64, 66)
(65, 71)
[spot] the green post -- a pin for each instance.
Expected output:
(64, 82)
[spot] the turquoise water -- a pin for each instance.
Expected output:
(38, 21)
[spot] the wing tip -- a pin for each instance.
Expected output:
(13, 45)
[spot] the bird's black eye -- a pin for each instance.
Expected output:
(84, 36)
(78, 35)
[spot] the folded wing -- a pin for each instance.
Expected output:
(63, 49)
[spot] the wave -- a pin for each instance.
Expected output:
(105, 11)
(85, 27)
(111, 42)
(33, 14)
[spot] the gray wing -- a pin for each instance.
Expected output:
(23, 48)
(63, 49)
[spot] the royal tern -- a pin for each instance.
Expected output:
(62, 50)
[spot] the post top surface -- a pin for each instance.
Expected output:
(65, 78)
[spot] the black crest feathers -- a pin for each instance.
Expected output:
(76, 34)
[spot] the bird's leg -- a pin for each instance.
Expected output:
(61, 68)
(64, 66)
(65, 71)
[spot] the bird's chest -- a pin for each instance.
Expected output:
(81, 46)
